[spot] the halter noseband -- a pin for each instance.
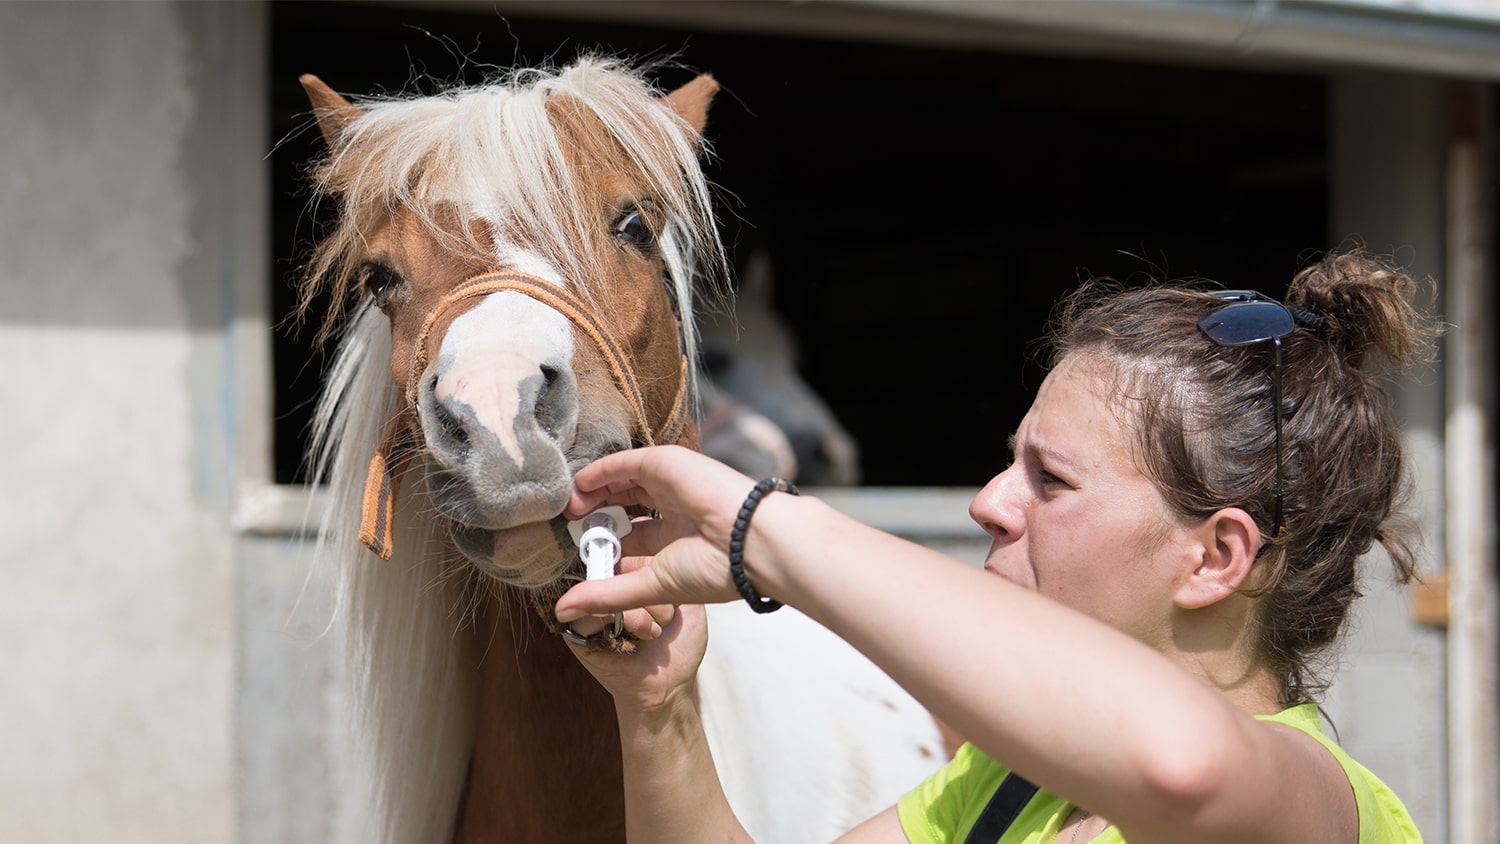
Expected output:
(382, 481)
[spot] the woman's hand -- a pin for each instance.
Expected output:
(679, 558)
(662, 669)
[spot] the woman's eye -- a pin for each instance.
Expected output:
(379, 283)
(1049, 479)
(634, 230)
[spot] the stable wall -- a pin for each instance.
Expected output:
(1388, 699)
(116, 311)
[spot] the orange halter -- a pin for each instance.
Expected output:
(382, 482)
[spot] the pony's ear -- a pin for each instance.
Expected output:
(333, 111)
(691, 101)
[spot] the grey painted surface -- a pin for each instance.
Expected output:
(117, 620)
(295, 754)
(1388, 698)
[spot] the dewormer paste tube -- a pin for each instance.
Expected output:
(598, 537)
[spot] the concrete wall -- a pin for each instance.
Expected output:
(1388, 697)
(117, 303)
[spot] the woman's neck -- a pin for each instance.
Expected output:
(1217, 644)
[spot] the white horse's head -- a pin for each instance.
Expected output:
(759, 415)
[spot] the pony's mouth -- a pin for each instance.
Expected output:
(529, 555)
(538, 552)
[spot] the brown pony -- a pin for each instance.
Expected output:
(521, 257)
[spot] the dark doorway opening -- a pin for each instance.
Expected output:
(923, 207)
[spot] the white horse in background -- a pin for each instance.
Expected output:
(758, 414)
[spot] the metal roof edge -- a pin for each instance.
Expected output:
(1448, 39)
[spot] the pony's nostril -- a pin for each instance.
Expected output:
(453, 429)
(546, 411)
(550, 374)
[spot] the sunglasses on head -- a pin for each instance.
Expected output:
(1247, 318)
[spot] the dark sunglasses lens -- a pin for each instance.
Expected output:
(1243, 323)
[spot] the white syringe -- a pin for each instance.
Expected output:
(598, 537)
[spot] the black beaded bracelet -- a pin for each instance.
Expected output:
(757, 601)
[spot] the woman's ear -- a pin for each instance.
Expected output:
(1230, 541)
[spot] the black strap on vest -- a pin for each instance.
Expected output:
(1002, 809)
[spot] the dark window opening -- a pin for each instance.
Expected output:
(923, 207)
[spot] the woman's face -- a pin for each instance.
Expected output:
(1075, 519)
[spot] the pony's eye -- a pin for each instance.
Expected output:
(379, 282)
(634, 230)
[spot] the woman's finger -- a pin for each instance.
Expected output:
(646, 537)
(625, 591)
(632, 562)
(619, 469)
(642, 623)
(585, 501)
(663, 613)
(586, 626)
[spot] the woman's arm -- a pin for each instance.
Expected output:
(1078, 707)
(672, 791)
(1075, 705)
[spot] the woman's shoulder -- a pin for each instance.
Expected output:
(969, 773)
(1383, 818)
(945, 805)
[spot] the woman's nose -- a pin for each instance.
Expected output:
(999, 508)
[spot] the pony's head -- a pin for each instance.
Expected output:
(530, 248)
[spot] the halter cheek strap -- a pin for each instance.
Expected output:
(383, 480)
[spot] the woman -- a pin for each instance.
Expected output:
(1173, 546)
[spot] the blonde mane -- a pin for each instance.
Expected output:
(491, 156)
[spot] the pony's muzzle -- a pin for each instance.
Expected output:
(546, 406)
(496, 438)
